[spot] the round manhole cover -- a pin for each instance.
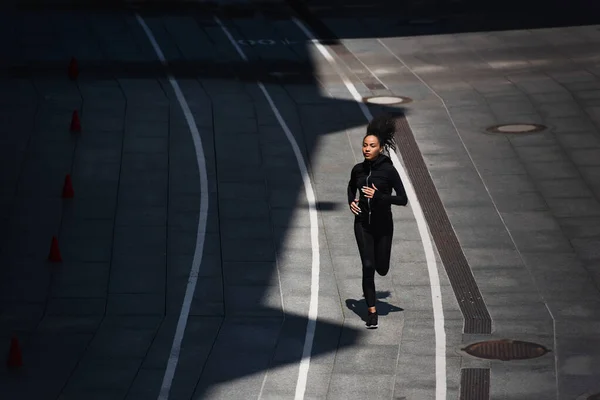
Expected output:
(516, 128)
(506, 350)
(387, 100)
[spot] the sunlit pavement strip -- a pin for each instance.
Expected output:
(542, 185)
(314, 230)
(440, 334)
(95, 325)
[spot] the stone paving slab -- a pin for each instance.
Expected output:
(128, 237)
(524, 186)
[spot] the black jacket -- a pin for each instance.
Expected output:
(381, 173)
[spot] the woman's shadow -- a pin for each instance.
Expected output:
(383, 308)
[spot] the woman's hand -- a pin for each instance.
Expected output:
(354, 207)
(369, 192)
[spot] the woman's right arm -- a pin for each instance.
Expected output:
(352, 188)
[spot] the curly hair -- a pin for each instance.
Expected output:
(384, 129)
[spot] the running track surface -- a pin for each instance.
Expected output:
(158, 143)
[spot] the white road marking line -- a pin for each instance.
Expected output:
(314, 232)
(202, 221)
(434, 279)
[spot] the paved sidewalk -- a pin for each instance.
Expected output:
(525, 207)
(100, 325)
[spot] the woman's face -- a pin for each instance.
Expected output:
(371, 147)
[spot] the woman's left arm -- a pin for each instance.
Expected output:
(400, 199)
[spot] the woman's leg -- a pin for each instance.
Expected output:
(368, 285)
(383, 251)
(366, 249)
(383, 247)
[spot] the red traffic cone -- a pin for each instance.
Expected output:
(15, 358)
(68, 191)
(54, 255)
(75, 122)
(73, 71)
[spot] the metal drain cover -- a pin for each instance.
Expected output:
(506, 350)
(516, 128)
(386, 100)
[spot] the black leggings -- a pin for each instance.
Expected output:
(375, 246)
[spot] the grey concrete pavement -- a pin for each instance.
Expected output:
(128, 236)
(522, 205)
(100, 325)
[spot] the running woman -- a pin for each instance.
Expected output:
(373, 224)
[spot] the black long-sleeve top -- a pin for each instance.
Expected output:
(381, 173)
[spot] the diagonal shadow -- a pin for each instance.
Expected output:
(237, 353)
(272, 71)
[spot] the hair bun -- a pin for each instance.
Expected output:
(384, 128)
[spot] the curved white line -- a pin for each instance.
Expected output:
(202, 220)
(314, 232)
(434, 279)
